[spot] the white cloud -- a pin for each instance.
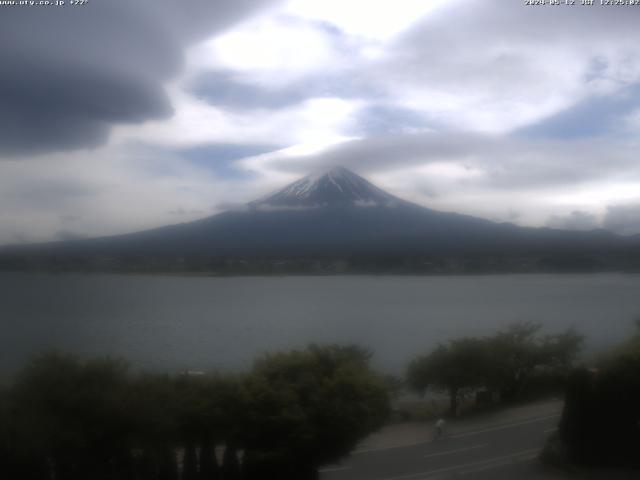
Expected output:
(576, 220)
(374, 19)
(476, 72)
(113, 190)
(484, 175)
(623, 218)
(271, 50)
(496, 66)
(197, 122)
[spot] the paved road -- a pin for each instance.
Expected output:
(499, 447)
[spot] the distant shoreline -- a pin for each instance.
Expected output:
(195, 274)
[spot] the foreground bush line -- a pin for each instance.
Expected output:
(67, 419)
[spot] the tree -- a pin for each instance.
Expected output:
(506, 361)
(560, 351)
(193, 406)
(456, 367)
(629, 347)
(519, 352)
(74, 414)
(17, 457)
(516, 355)
(69, 419)
(153, 402)
(600, 420)
(193, 413)
(209, 411)
(308, 408)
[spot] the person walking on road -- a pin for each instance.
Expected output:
(440, 427)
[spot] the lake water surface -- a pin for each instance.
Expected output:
(179, 323)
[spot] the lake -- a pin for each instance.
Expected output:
(202, 323)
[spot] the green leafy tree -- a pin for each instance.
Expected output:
(308, 408)
(209, 410)
(193, 402)
(75, 415)
(153, 403)
(190, 413)
(560, 352)
(516, 355)
(519, 353)
(222, 419)
(455, 368)
(506, 361)
(69, 419)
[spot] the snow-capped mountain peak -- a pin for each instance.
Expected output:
(336, 186)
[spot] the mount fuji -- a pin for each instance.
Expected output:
(334, 187)
(336, 216)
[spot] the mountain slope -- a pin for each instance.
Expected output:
(334, 187)
(332, 215)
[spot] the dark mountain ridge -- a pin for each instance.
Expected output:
(330, 219)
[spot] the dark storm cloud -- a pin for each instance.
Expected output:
(70, 73)
(48, 107)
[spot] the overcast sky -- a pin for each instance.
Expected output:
(123, 115)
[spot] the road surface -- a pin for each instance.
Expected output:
(498, 446)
